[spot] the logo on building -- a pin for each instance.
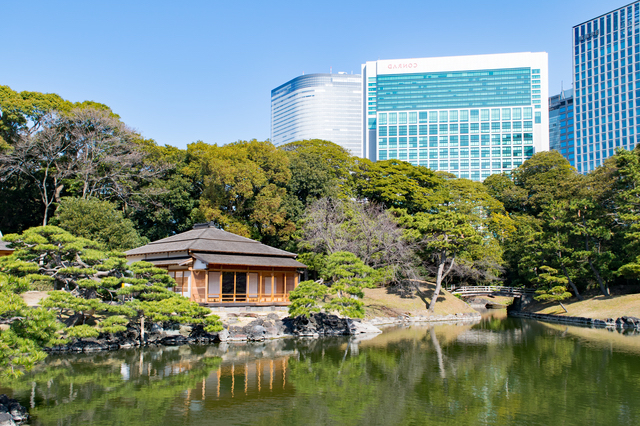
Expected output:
(401, 66)
(589, 35)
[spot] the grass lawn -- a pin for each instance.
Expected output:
(387, 302)
(598, 307)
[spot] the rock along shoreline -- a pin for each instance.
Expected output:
(622, 323)
(261, 328)
(11, 412)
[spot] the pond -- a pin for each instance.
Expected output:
(499, 371)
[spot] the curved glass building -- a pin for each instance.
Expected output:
(319, 106)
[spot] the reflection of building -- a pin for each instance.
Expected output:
(468, 115)
(605, 79)
(318, 106)
(213, 266)
(561, 124)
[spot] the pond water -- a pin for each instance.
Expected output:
(499, 371)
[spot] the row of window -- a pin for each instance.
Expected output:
(499, 152)
(434, 90)
(474, 115)
(443, 129)
(413, 142)
(453, 166)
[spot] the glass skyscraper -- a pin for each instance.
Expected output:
(561, 125)
(606, 61)
(471, 116)
(318, 106)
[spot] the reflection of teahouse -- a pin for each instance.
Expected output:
(215, 267)
(5, 250)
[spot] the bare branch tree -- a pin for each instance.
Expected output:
(364, 229)
(43, 158)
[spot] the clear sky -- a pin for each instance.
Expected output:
(179, 72)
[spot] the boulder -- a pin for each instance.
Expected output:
(359, 327)
(317, 324)
(257, 333)
(11, 412)
(223, 335)
(6, 420)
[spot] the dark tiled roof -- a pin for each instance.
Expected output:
(267, 261)
(211, 240)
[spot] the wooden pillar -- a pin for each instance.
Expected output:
(206, 284)
(234, 286)
(273, 283)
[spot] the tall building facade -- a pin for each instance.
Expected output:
(318, 106)
(471, 116)
(606, 61)
(561, 125)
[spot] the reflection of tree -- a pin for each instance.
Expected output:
(128, 387)
(544, 378)
(520, 372)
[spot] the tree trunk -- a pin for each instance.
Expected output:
(440, 277)
(141, 331)
(565, 309)
(573, 286)
(603, 288)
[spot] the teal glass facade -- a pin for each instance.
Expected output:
(463, 89)
(561, 125)
(606, 85)
(471, 123)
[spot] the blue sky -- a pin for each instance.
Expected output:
(179, 72)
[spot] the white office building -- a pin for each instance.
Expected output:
(318, 106)
(471, 116)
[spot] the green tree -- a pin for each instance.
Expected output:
(305, 298)
(553, 286)
(99, 221)
(245, 188)
(546, 176)
(23, 331)
(349, 276)
(398, 184)
(98, 288)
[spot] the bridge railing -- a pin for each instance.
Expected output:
(489, 289)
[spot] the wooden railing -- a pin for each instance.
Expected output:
(470, 290)
(233, 298)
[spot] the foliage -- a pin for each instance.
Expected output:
(244, 188)
(23, 331)
(304, 298)
(97, 220)
(98, 288)
(349, 276)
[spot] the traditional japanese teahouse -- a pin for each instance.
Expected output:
(5, 250)
(216, 268)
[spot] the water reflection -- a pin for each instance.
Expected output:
(499, 371)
